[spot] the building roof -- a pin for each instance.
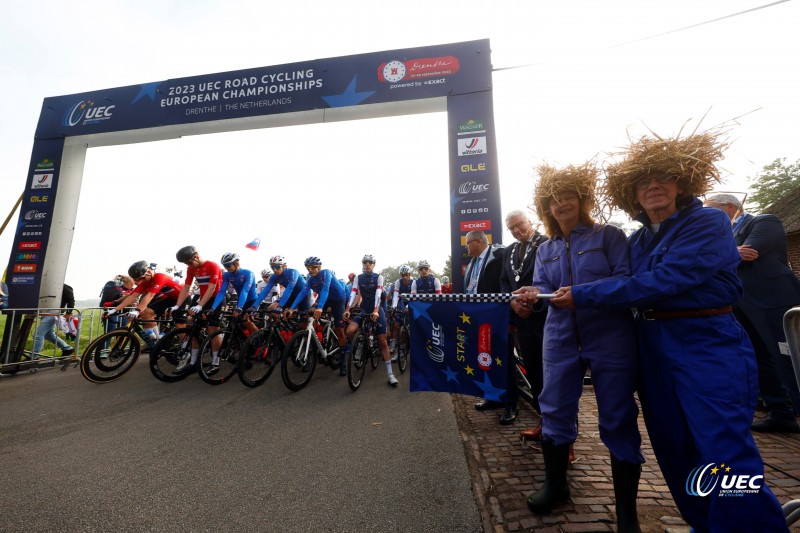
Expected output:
(787, 210)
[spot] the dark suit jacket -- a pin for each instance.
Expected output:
(770, 286)
(509, 284)
(489, 278)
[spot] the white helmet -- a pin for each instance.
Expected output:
(405, 269)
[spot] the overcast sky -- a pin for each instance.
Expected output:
(588, 77)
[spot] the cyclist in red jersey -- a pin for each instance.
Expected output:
(208, 275)
(158, 293)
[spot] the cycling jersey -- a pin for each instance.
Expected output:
(326, 286)
(206, 274)
(370, 286)
(401, 288)
(161, 285)
(427, 285)
(244, 282)
(292, 282)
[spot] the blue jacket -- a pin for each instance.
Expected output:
(594, 252)
(689, 264)
(325, 285)
(290, 279)
(243, 281)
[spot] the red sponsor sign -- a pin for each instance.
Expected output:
(30, 245)
(469, 225)
(24, 268)
(426, 67)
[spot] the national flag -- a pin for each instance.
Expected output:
(254, 244)
(460, 347)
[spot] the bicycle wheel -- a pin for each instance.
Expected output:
(219, 371)
(299, 361)
(403, 348)
(356, 363)
(332, 347)
(375, 355)
(260, 353)
(168, 352)
(101, 364)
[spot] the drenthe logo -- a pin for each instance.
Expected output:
(85, 112)
(702, 481)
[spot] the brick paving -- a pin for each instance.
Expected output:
(506, 470)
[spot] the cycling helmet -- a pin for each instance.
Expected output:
(351, 276)
(312, 261)
(405, 269)
(138, 269)
(266, 272)
(368, 259)
(229, 258)
(445, 279)
(423, 264)
(277, 260)
(185, 254)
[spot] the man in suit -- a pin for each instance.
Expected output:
(770, 289)
(483, 277)
(527, 327)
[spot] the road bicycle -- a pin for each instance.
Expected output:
(263, 349)
(365, 347)
(314, 341)
(174, 347)
(233, 335)
(109, 356)
(402, 346)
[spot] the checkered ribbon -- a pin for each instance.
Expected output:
(476, 298)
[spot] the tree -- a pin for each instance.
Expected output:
(773, 182)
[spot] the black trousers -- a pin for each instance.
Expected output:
(529, 335)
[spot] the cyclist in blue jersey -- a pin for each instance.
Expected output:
(401, 286)
(426, 283)
(292, 282)
(330, 293)
(369, 285)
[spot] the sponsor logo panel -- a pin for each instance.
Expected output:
(42, 181)
(29, 257)
(30, 245)
(471, 168)
(471, 127)
(472, 146)
(45, 164)
(469, 225)
(35, 214)
(395, 71)
(22, 280)
(39, 199)
(87, 112)
(30, 269)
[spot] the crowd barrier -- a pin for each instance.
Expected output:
(19, 336)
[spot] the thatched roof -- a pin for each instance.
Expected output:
(787, 210)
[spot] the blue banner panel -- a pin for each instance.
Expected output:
(33, 228)
(378, 77)
(474, 176)
(460, 347)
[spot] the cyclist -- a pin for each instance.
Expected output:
(426, 283)
(369, 285)
(447, 287)
(401, 286)
(244, 281)
(331, 294)
(208, 276)
(158, 293)
(290, 279)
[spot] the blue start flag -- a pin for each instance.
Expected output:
(460, 347)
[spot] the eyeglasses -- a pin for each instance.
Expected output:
(367, 263)
(644, 183)
(520, 224)
(228, 265)
(471, 241)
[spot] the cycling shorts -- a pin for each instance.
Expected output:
(380, 324)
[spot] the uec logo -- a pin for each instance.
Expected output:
(703, 479)
(85, 110)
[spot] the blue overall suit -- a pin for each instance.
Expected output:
(575, 339)
(698, 380)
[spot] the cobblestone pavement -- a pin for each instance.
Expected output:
(506, 470)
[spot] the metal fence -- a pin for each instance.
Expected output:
(28, 336)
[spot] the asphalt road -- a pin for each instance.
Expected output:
(141, 455)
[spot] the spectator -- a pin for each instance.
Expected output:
(582, 252)
(483, 276)
(527, 327)
(697, 371)
(770, 289)
(3, 295)
(483, 272)
(47, 325)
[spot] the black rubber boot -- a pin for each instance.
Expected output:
(555, 489)
(626, 489)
